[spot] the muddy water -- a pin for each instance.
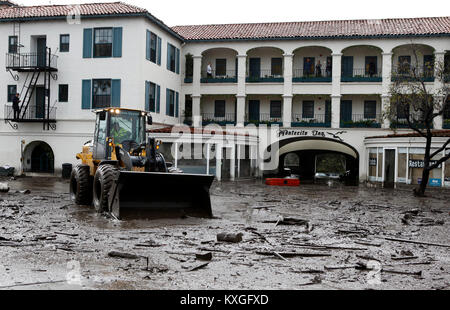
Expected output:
(46, 242)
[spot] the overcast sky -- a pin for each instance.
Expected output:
(189, 12)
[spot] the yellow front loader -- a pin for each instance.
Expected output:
(121, 172)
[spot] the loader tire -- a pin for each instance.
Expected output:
(80, 185)
(103, 181)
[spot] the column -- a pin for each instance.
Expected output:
(336, 91)
(386, 85)
(240, 110)
(438, 85)
(287, 97)
(287, 110)
(219, 162)
(232, 162)
(196, 115)
(241, 92)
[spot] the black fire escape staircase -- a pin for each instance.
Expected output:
(34, 65)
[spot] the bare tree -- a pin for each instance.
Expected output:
(415, 105)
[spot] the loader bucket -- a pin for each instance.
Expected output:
(152, 195)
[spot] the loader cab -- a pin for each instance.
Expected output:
(125, 127)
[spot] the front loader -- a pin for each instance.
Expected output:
(124, 174)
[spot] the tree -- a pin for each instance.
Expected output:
(415, 105)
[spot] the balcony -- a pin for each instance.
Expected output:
(264, 76)
(211, 118)
(315, 76)
(228, 76)
(409, 73)
(263, 119)
(24, 62)
(361, 121)
(361, 75)
(33, 114)
(319, 120)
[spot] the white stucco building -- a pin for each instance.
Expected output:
(325, 84)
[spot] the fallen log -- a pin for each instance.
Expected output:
(122, 255)
(292, 254)
(418, 242)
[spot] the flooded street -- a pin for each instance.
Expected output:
(307, 237)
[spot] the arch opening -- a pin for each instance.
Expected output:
(38, 157)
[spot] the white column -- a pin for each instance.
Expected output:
(438, 84)
(238, 158)
(208, 154)
(219, 162)
(240, 110)
(287, 110)
(336, 91)
(386, 85)
(196, 76)
(196, 115)
(232, 162)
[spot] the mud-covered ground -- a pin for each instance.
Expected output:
(46, 242)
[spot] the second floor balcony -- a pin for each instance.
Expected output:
(23, 62)
(32, 114)
(361, 75)
(361, 121)
(216, 76)
(312, 75)
(317, 120)
(263, 119)
(264, 75)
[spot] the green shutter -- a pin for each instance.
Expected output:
(168, 56)
(167, 101)
(87, 43)
(177, 61)
(177, 99)
(147, 46)
(159, 51)
(117, 42)
(86, 95)
(147, 93)
(115, 93)
(158, 98)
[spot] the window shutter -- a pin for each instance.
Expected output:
(159, 51)
(167, 102)
(87, 43)
(147, 93)
(147, 46)
(158, 98)
(117, 42)
(177, 61)
(115, 93)
(86, 95)
(168, 56)
(177, 98)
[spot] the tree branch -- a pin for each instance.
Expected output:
(443, 147)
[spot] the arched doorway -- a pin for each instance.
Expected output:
(306, 156)
(38, 157)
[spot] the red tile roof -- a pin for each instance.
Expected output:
(436, 133)
(319, 29)
(63, 10)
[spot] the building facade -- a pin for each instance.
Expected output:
(321, 86)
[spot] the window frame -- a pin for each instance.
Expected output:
(172, 54)
(153, 52)
(61, 44)
(60, 98)
(93, 105)
(9, 95)
(368, 106)
(171, 103)
(13, 46)
(111, 29)
(306, 105)
(219, 108)
(276, 109)
(276, 69)
(152, 97)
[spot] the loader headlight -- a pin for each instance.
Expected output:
(117, 111)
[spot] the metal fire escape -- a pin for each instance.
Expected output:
(32, 65)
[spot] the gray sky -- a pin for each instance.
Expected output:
(189, 12)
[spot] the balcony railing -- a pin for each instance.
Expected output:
(32, 114)
(361, 75)
(31, 61)
(211, 118)
(411, 73)
(361, 121)
(228, 76)
(263, 118)
(264, 76)
(319, 120)
(305, 76)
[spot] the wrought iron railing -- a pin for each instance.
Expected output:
(362, 74)
(361, 120)
(311, 74)
(228, 76)
(32, 113)
(411, 72)
(31, 60)
(264, 75)
(263, 118)
(211, 118)
(317, 120)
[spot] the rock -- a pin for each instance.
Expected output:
(4, 188)
(234, 238)
(204, 256)
(122, 255)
